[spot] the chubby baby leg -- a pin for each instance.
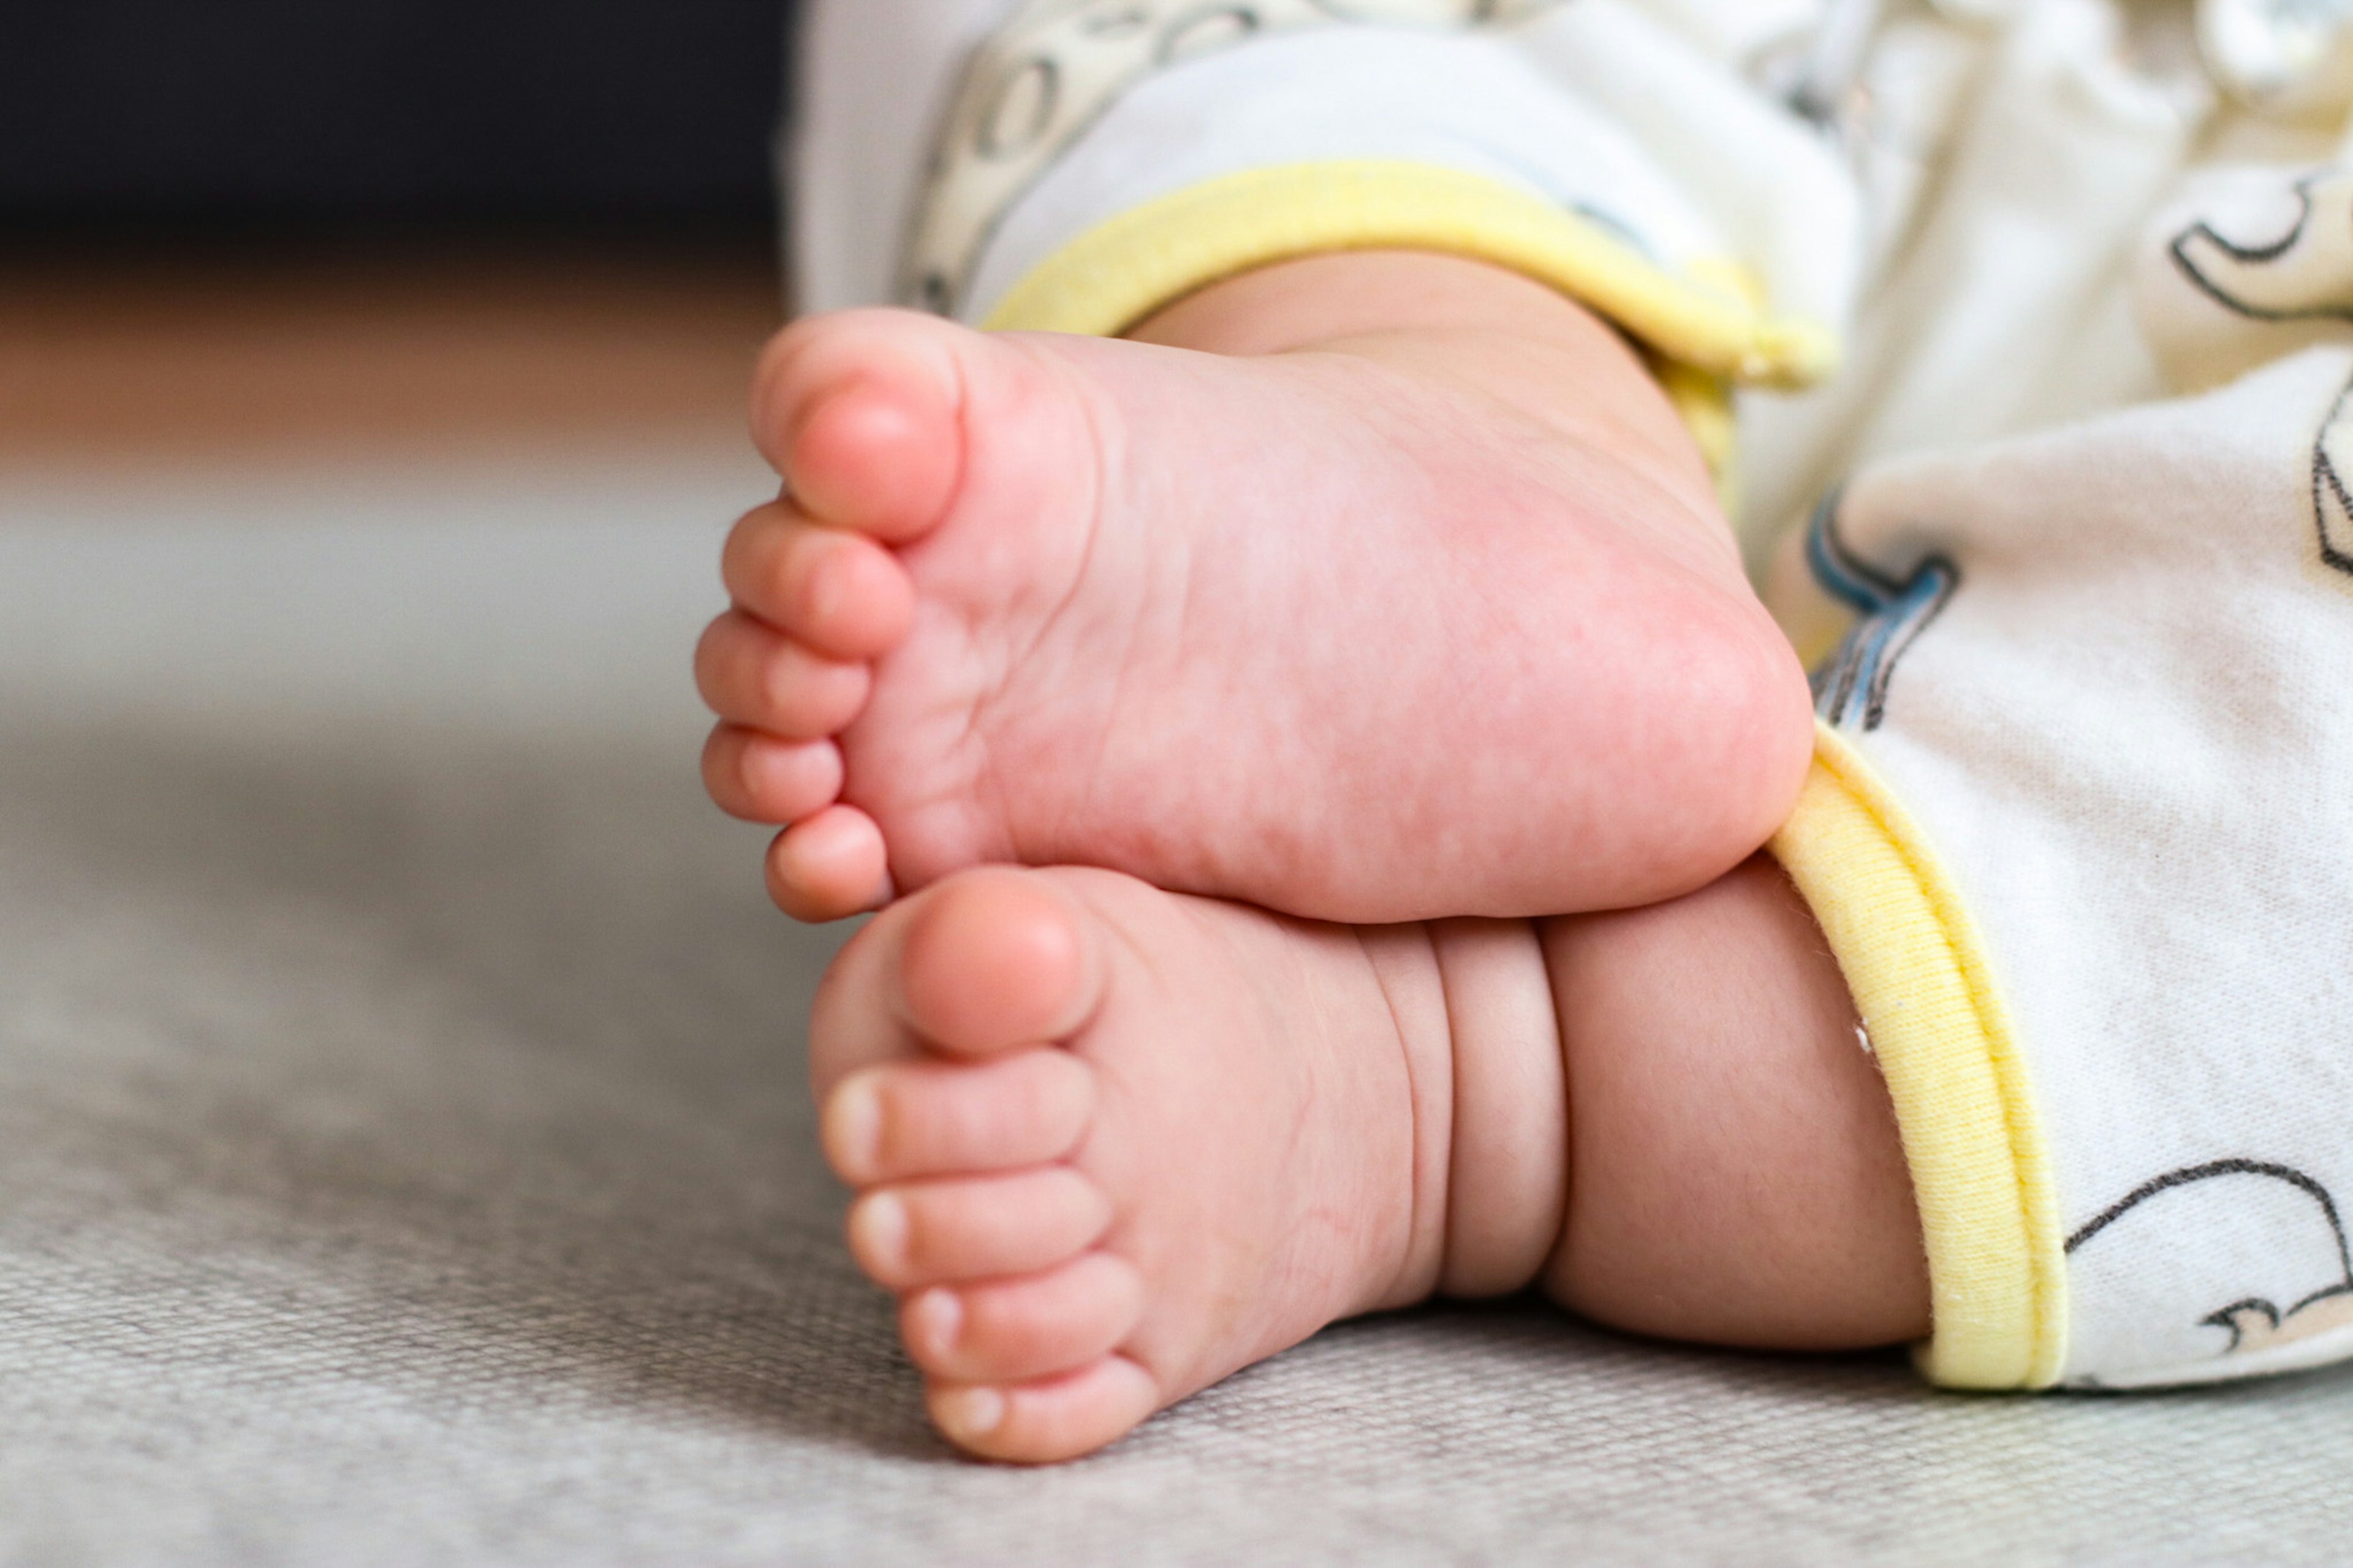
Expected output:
(1735, 1173)
(1113, 1143)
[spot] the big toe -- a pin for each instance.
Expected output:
(996, 958)
(859, 413)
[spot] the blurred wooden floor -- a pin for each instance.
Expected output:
(113, 357)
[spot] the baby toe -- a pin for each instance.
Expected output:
(1011, 1330)
(829, 867)
(935, 1119)
(762, 779)
(752, 675)
(1049, 1419)
(835, 592)
(996, 958)
(975, 1227)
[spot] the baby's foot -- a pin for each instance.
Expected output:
(1370, 634)
(1113, 1144)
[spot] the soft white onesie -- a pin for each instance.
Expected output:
(2072, 832)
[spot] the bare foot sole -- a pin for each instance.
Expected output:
(1112, 1144)
(1369, 633)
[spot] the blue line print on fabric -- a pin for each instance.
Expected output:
(1851, 687)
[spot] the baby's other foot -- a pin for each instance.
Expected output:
(1112, 1144)
(1419, 623)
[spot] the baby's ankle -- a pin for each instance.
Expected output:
(1507, 1167)
(1698, 1148)
(1542, 352)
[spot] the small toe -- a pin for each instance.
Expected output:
(1009, 1330)
(966, 1228)
(835, 592)
(829, 867)
(762, 779)
(1048, 1420)
(993, 959)
(752, 675)
(917, 1118)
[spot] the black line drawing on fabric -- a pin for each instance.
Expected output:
(2332, 463)
(1121, 23)
(1852, 686)
(1020, 112)
(2307, 274)
(1202, 31)
(2254, 1322)
(1057, 67)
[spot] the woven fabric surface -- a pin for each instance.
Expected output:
(404, 1156)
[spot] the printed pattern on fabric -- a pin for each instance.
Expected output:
(2111, 649)
(2275, 290)
(2332, 505)
(2308, 1296)
(1850, 689)
(2253, 267)
(2304, 273)
(1037, 86)
(2097, 668)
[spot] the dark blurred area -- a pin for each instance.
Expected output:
(248, 229)
(341, 115)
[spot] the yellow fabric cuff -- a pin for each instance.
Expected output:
(1980, 1167)
(1115, 275)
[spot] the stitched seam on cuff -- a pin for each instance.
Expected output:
(1124, 270)
(1981, 1165)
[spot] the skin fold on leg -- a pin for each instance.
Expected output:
(1736, 1173)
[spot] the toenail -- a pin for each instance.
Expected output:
(853, 1126)
(969, 1413)
(879, 1226)
(940, 1316)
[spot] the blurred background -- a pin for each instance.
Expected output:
(261, 225)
